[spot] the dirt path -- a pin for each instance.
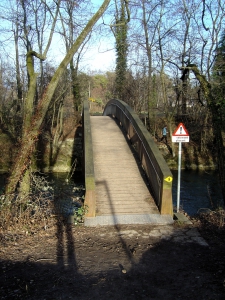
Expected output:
(126, 262)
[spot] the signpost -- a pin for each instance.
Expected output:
(180, 136)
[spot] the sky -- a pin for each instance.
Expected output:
(102, 55)
(99, 57)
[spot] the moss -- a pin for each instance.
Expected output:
(90, 183)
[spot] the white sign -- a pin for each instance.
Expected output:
(180, 139)
(180, 135)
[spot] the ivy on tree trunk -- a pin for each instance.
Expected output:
(215, 110)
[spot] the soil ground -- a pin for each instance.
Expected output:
(64, 261)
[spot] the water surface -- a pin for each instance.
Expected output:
(199, 190)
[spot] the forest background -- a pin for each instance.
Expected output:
(169, 67)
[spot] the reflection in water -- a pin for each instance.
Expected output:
(199, 190)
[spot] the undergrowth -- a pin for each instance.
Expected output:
(211, 224)
(42, 207)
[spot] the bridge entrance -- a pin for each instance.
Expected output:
(120, 188)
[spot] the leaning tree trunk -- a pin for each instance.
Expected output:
(31, 133)
(28, 109)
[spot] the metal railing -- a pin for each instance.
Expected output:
(158, 173)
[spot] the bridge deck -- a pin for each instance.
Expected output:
(120, 187)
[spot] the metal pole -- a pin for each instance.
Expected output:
(178, 180)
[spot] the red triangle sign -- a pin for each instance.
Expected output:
(181, 130)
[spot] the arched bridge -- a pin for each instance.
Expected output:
(127, 180)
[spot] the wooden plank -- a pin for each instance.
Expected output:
(120, 186)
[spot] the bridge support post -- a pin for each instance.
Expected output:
(166, 205)
(90, 193)
(90, 197)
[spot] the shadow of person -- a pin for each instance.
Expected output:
(153, 274)
(65, 250)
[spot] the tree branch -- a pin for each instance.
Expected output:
(203, 15)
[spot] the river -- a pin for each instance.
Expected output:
(199, 190)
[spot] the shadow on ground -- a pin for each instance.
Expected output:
(109, 263)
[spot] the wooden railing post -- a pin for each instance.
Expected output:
(90, 191)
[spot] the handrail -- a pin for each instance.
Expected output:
(158, 173)
(90, 192)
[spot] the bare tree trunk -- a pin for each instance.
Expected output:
(75, 86)
(54, 141)
(32, 132)
(18, 79)
(184, 79)
(73, 65)
(149, 57)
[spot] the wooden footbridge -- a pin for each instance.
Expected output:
(127, 181)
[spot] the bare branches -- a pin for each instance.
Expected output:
(203, 15)
(52, 29)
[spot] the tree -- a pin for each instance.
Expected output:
(215, 109)
(120, 32)
(218, 78)
(149, 35)
(70, 20)
(33, 127)
(31, 99)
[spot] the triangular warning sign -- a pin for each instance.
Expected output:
(181, 130)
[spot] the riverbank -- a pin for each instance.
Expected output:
(191, 157)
